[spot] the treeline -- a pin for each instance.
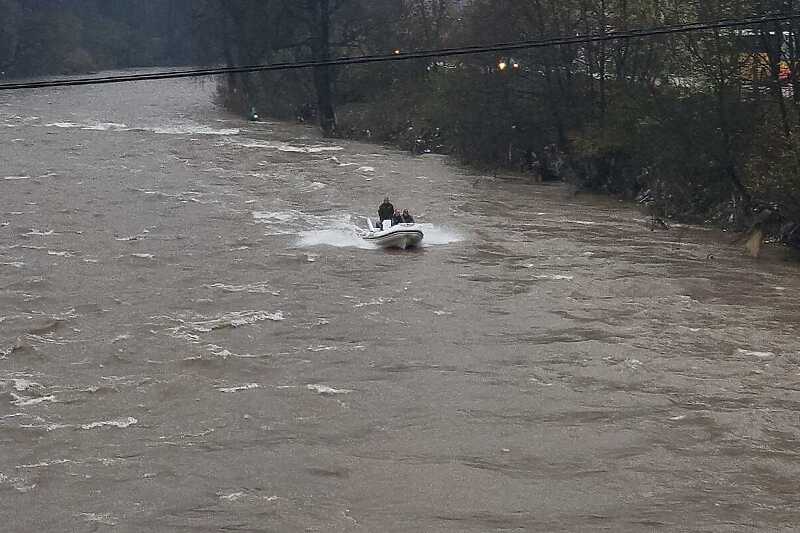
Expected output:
(46, 37)
(699, 126)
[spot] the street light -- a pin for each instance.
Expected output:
(504, 64)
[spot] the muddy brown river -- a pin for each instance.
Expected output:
(194, 337)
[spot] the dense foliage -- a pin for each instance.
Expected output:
(77, 36)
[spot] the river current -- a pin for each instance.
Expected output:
(194, 337)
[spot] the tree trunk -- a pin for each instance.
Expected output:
(323, 75)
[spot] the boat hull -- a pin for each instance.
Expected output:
(398, 236)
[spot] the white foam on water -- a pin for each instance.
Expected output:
(268, 217)
(60, 254)
(44, 464)
(313, 186)
(16, 482)
(16, 178)
(107, 519)
(377, 301)
(223, 353)
(365, 169)
(633, 364)
(252, 288)
(240, 388)
(39, 422)
(325, 389)
(143, 256)
(137, 237)
(338, 238)
(340, 230)
(122, 423)
(322, 348)
(284, 147)
(24, 401)
(232, 497)
(64, 125)
(439, 235)
(350, 235)
(339, 163)
(21, 385)
(537, 381)
(107, 126)
(245, 318)
(554, 277)
(583, 222)
(186, 128)
(14, 264)
(192, 129)
(38, 233)
(189, 330)
(751, 353)
(336, 230)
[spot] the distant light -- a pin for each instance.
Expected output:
(397, 51)
(515, 65)
(502, 65)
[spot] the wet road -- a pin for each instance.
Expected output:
(193, 337)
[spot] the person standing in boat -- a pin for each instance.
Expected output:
(385, 211)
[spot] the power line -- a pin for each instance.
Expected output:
(422, 54)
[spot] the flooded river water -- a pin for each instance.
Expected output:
(193, 337)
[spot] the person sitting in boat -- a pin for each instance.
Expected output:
(397, 218)
(406, 217)
(385, 211)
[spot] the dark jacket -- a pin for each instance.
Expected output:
(406, 218)
(386, 211)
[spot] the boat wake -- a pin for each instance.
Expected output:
(339, 230)
(351, 235)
